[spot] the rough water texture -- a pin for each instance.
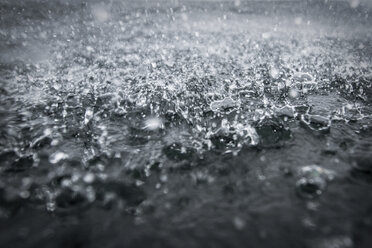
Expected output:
(185, 124)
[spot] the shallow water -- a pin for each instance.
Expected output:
(182, 124)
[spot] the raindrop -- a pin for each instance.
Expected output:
(274, 73)
(153, 124)
(293, 93)
(237, 3)
(89, 178)
(57, 157)
(100, 13)
(298, 20)
(354, 3)
(239, 223)
(88, 115)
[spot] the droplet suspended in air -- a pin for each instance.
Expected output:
(293, 93)
(274, 73)
(57, 156)
(153, 123)
(354, 3)
(88, 115)
(100, 13)
(237, 3)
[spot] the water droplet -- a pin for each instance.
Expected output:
(51, 206)
(57, 156)
(274, 73)
(266, 35)
(293, 93)
(100, 13)
(89, 178)
(354, 3)
(239, 223)
(184, 17)
(88, 115)
(298, 20)
(90, 49)
(153, 124)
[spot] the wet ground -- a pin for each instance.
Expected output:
(185, 124)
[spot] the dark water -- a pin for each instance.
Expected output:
(185, 124)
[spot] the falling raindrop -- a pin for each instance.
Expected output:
(153, 124)
(100, 13)
(57, 157)
(354, 3)
(88, 115)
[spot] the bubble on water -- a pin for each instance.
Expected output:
(57, 157)
(274, 73)
(153, 123)
(313, 180)
(311, 187)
